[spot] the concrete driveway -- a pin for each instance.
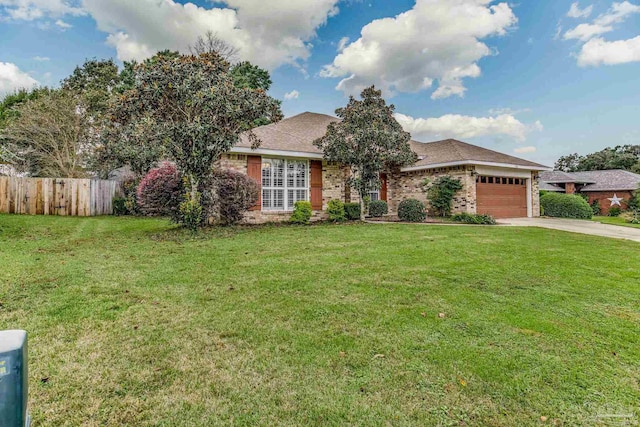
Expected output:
(577, 226)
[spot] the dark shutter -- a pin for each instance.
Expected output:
(316, 185)
(383, 186)
(254, 171)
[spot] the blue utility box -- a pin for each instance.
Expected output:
(13, 379)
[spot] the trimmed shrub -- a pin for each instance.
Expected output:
(161, 191)
(560, 205)
(336, 211)
(352, 211)
(301, 213)
(615, 211)
(378, 208)
(466, 218)
(412, 210)
(236, 194)
(595, 207)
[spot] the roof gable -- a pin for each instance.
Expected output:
(452, 150)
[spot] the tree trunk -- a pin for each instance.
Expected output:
(363, 212)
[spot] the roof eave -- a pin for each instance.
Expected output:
(475, 162)
(278, 153)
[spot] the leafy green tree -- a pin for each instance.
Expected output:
(369, 140)
(247, 75)
(626, 157)
(95, 80)
(189, 110)
(568, 163)
(10, 103)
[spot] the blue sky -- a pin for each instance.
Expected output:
(537, 79)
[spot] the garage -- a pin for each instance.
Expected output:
(501, 197)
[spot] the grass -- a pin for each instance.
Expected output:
(614, 220)
(134, 323)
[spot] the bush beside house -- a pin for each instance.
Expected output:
(466, 218)
(565, 206)
(301, 213)
(378, 208)
(412, 210)
(336, 212)
(352, 211)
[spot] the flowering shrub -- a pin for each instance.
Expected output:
(161, 191)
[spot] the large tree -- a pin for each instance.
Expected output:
(625, 157)
(95, 81)
(189, 110)
(368, 139)
(49, 136)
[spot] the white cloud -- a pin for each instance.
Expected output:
(342, 44)
(576, 12)
(463, 127)
(584, 32)
(267, 33)
(524, 150)
(29, 10)
(41, 58)
(294, 94)
(60, 23)
(13, 79)
(511, 111)
(603, 23)
(437, 40)
(598, 51)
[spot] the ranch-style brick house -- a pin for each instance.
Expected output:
(613, 187)
(288, 168)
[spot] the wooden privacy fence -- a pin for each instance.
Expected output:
(57, 196)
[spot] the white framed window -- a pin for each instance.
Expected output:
(374, 194)
(284, 182)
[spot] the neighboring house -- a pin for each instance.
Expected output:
(609, 187)
(289, 168)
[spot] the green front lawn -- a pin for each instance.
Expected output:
(614, 220)
(133, 323)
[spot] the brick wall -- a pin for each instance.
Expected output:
(333, 184)
(605, 204)
(409, 185)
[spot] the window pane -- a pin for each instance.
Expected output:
(291, 174)
(266, 173)
(266, 199)
(278, 172)
(301, 177)
(278, 199)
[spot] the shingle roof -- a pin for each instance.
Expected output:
(605, 180)
(558, 177)
(297, 134)
(451, 151)
(609, 180)
(545, 186)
